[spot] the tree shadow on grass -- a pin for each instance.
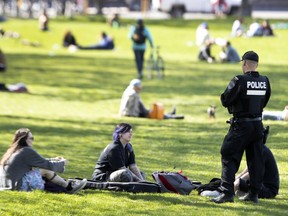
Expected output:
(95, 78)
(67, 70)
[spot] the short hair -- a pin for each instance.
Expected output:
(121, 128)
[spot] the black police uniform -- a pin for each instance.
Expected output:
(245, 97)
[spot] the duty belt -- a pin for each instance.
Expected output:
(248, 119)
(234, 120)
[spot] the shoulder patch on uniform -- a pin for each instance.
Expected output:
(233, 82)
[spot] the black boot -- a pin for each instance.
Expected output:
(253, 197)
(173, 112)
(223, 198)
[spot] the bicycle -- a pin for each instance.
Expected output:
(155, 64)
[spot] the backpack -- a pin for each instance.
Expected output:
(157, 111)
(134, 187)
(139, 34)
(173, 182)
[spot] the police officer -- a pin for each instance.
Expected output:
(245, 97)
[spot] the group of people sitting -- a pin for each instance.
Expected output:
(204, 41)
(255, 29)
(23, 168)
(105, 42)
(228, 54)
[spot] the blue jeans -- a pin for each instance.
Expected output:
(139, 59)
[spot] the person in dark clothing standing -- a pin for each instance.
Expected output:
(270, 186)
(245, 97)
(138, 34)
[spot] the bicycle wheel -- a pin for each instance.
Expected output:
(160, 68)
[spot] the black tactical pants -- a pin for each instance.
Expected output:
(243, 136)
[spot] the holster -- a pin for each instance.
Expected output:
(232, 122)
(265, 134)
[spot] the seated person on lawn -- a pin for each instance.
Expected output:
(132, 105)
(22, 168)
(117, 161)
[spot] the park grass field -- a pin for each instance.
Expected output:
(73, 104)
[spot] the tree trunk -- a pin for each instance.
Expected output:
(246, 8)
(100, 6)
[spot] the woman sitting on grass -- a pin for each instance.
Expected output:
(117, 161)
(22, 168)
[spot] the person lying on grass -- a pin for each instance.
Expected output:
(22, 168)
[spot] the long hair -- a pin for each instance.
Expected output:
(121, 128)
(18, 142)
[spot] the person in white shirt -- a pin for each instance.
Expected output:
(131, 103)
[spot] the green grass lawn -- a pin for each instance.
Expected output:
(74, 99)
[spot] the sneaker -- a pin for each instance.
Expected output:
(253, 197)
(77, 186)
(239, 193)
(223, 198)
(177, 116)
(214, 193)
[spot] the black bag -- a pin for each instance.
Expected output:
(134, 187)
(139, 36)
(213, 185)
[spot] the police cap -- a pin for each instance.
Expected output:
(250, 55)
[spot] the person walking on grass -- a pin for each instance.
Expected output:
(22, 168)
(245, 97)
(138, 34)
